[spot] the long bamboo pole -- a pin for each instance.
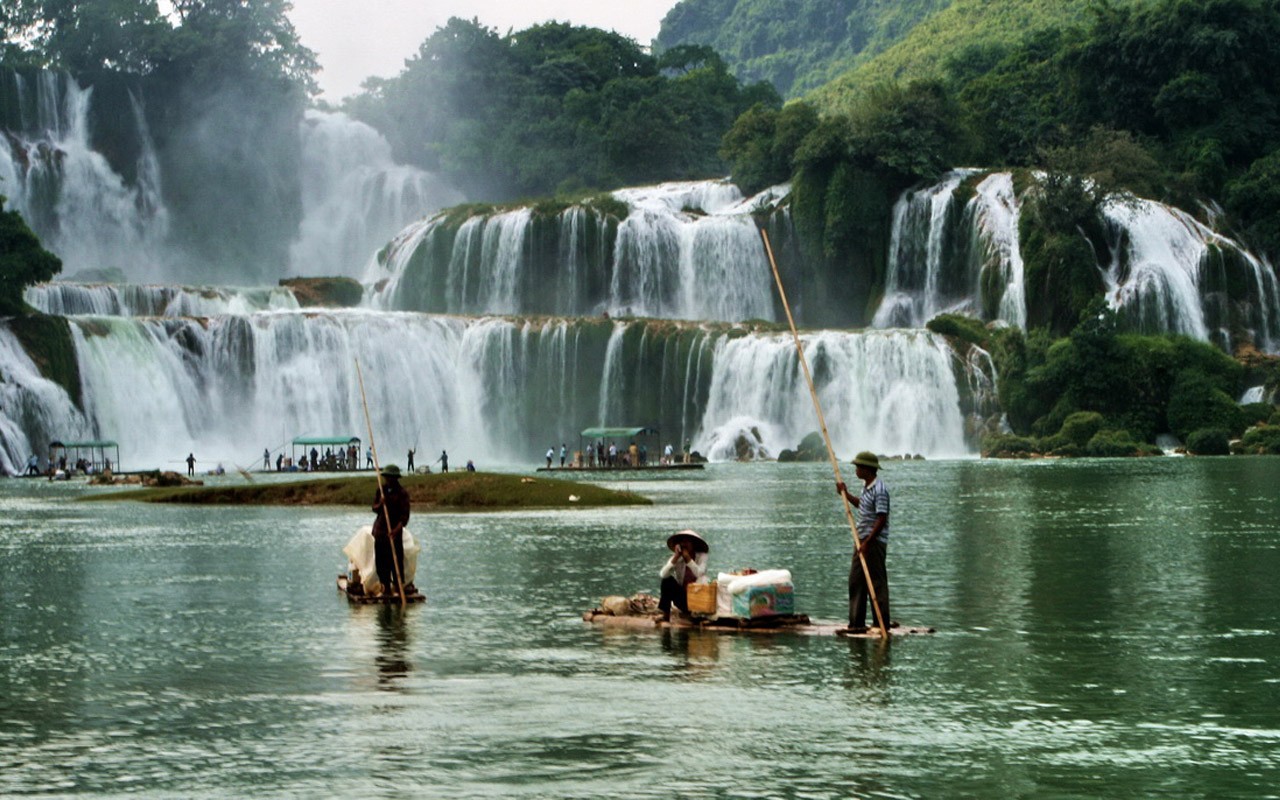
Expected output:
(377, 470)
(826, 437)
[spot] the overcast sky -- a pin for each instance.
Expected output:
(358, 38)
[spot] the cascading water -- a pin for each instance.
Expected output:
(82, 209)
(493, 389)
(1171, 273)
(951, 257)
(354, 196)
(34, 411)
(891, 392)
(684, 251)
(133, 300)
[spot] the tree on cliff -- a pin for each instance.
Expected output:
(23, 261)
(555, 107)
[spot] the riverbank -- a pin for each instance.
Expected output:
(451, 491)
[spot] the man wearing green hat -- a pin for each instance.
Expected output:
(391, 504)
(873, 543)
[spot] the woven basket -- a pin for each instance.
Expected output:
(701, 598)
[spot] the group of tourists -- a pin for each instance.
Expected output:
(608, 455)
(689, 552)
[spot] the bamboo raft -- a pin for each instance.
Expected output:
(360, 598)
(798, 624)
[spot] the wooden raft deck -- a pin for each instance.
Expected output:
(378, 599)
(799, 624)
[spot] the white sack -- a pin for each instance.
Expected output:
(360, 555)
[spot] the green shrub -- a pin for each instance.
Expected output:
(1262, 440)
(1209, 442)
(961, 327)
(1109, 443)
(1196, 402)
(1049, 444)
(1253, 413)
(1007, 445)
(1080, 427)
(1274, 419)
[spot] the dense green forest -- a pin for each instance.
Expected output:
(796, 45)
(556, 109)
(1175, 100)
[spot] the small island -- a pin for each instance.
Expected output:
(449, 491)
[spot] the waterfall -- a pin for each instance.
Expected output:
(134, 300)
(1168, 273)
(68, 193)
(497, 390)
(683, 251)
(1172, 273)
(885, 391)
(951, 257)
(354, 196)
(34, 411)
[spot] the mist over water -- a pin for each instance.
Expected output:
(83, 210)
(355, 198)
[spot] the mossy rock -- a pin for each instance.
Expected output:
(1209, 442)
(1260, 440)
(1008, 445)
(325, 292)
(48, 343)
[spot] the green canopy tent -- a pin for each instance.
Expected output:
(322, 442)
(93, 451)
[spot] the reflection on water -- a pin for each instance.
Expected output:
(1105, 628)
(393, 647)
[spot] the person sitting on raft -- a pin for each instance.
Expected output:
(687, 564)
(396, 503)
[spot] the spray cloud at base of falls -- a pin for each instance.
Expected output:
(355, 197)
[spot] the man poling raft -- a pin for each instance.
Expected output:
(379, 551)
(383, 552)
(872, 545)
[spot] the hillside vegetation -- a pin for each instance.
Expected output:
(796, 45)
(965, 34)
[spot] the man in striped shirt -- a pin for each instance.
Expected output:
(873, 543)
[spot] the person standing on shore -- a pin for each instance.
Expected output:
(873, 542)
(191, 464)
(409, 465)
(444, 461)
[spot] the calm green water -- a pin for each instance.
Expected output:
(1104, 629)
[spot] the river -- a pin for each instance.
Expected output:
(1104, 628)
